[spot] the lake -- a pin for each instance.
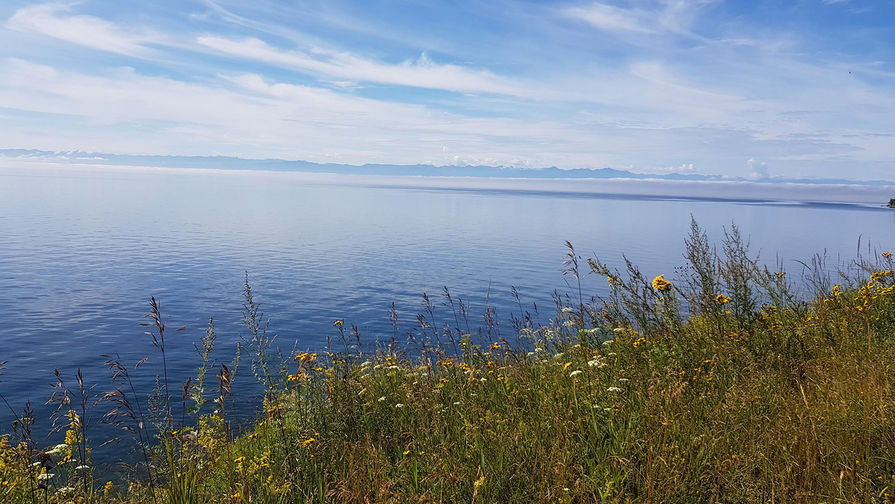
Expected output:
(82, 249)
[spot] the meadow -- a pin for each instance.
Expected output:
(725, 380)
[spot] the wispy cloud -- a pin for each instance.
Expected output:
(667, 16)
(421, 72)
(614, 19)
(57, 20)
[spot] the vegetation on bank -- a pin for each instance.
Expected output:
(756, 395)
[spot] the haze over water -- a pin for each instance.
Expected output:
(82, 251)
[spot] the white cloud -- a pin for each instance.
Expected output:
(422, 73)
(668, 16)
(610, 18)
(55, 20)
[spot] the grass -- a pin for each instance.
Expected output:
(714, 383)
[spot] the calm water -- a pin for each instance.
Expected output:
(81, 252)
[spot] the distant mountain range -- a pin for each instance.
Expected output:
(235, 163)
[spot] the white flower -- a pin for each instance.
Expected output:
(569, 323)
(575, 373)
(399, 405)
(596, 362)
(613, 389)
(44, 477)
(457, 403)
(558, 356)
(65, 489)
(381, 399)
(567, 309)
(608, 342)
(393, 367)
(623, 380)
(82, 468)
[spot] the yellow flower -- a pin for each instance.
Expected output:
(108, 488)
(239, 460)
(567, 366)
(308, 441)
(837, 290)
(338, 323)
(660, 284)
(886, 254)
(306, 357)
(495, 346)
(722, 299)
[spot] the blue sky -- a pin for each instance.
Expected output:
(743, 88)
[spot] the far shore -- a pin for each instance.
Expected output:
(782, 192)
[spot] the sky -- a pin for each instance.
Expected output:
(755, 88)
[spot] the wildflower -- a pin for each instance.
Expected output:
(613, 389)
(722, 299)
(608, 342)
(399, 405)
(596, 362)
(640, 341)
(837, 290)
(338, 323)
(575, 373)
(612, 279)
(45, 476)
(567, 365)
(407, 452)
(108, 488)
(495, 346)
(82, 468)
(308, 441)
(381, 399)
(886, 254)
(660, 284)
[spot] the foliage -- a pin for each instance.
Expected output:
(755, 395)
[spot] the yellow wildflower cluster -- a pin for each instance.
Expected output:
(306, 357)
(639, 342)
(880, 274)
(662, 285)
(722, 299)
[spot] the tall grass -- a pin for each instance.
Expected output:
(717, 382)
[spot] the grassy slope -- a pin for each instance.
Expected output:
(785, 401)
